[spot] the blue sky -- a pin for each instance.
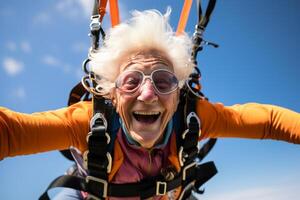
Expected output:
(43, 44)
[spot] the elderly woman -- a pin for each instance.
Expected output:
(142, 67)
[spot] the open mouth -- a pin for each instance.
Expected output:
(146, 117)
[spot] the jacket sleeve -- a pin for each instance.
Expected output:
(250, 120)
(22, 134)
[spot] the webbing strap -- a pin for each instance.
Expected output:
(205, 149)
(114, 12)
(188, 141)
(77, 94)
(198, 41)
(99, 188)
(99, 8)
(67, 181)
(184, 16)
(102, 8)
(204, 19)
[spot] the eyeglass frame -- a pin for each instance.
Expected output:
(151, 79)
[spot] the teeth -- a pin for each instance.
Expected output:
(146, 113)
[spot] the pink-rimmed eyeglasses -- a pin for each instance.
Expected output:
(164, 81)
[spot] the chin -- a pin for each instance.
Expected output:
(145, 139)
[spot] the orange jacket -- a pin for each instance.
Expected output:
(59, 129)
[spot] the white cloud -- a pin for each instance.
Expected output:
(63, 5)
(11, 46)
(25, 46)
(51, 61)
(68, 8)
(86, 6)
(57, 64)
(74, 9)
(12, 66)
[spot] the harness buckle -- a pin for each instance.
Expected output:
(190, 115)
(96, 117)
(91, 180)
(161, 188)
(108, 156)
(186, 168)
(106, 135)
(95, 23)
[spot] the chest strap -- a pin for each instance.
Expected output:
(99, 188)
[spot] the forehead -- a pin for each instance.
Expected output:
(146, 61)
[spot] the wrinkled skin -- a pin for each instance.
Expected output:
(146, 99)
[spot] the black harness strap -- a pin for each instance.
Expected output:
(66, 181)
(95, 25)
(98, 188)
(78, 93)
(188, 152)
(98, 159)
(198, 41)
(205, 149)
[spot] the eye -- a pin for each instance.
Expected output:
(130, 81)
(165, 81)
(163, 84)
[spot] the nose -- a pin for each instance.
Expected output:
(147, 92)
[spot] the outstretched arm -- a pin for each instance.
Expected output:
(250, 120)
(44, 131)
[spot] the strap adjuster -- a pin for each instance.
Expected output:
(185, 169)
(106, 135)
(161, 188)
(102, 182)
(108, 156)
(96, 117)
(190, 115)
(95, 23)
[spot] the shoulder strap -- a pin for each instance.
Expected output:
(184, 16)
(114, 12)
(191, 93)
(198, 40)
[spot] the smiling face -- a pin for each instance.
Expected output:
(146, 112)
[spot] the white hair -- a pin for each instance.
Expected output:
(146, 30)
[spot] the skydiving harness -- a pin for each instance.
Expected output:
(99, 156)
